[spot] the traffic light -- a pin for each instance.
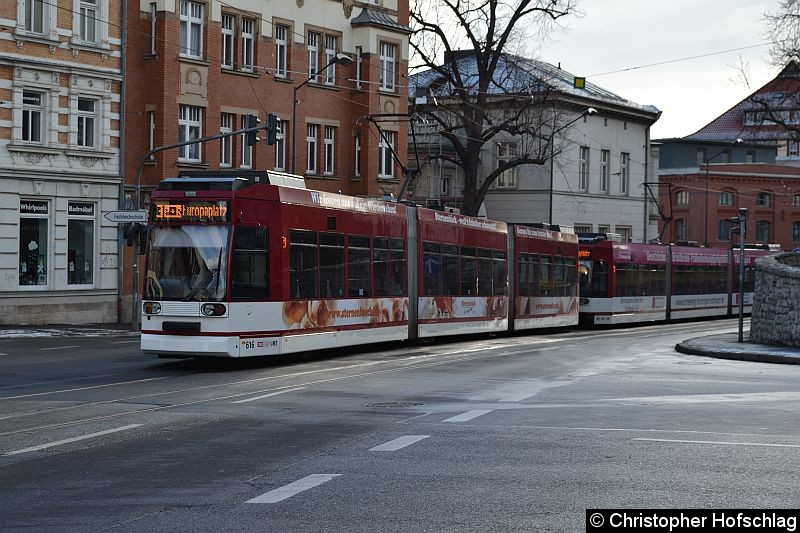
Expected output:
(272, 128)
(252, 136)
(736, 224)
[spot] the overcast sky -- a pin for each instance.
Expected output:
(621, 34)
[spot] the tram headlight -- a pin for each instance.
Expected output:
(213, 309)
(151, 308)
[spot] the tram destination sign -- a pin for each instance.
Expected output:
(195, 211)
(139, 215)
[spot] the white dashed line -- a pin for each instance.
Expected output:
(398, 443)
(725, 443)
(269, 395)
(469, 415)
(287, 491)
(73, 439)
(58, 348)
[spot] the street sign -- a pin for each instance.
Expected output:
(127, 216)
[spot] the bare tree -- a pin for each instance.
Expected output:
(783, 31)
(478, 88)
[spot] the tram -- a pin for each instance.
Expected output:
(239, 267)
(623, 283)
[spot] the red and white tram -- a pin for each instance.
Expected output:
(237, 267)
(625, 283)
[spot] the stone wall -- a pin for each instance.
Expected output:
(776, 301)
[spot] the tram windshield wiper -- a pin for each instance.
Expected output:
(202, 284)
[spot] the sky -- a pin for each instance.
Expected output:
(620, 35)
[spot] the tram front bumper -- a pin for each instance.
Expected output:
(190, 346)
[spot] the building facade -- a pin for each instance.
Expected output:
(198, 68)
(60, 86)
(594, 163)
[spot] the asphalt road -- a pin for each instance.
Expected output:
(491, 434)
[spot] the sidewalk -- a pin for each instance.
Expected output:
(726, 346)
(88, 330)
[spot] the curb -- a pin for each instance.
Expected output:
(686, 348)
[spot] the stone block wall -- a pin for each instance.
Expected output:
(776, 301)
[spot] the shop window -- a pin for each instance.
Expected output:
(33, 240)
(80, 243)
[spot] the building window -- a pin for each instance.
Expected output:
(313, 56)
(153, 8)
(311, 149)
(681, 230)
(387, 63)
(280, 146)
(87, 123)
(796, 232)
(796, 200)
(88, 21)
(191, 29)
(701, 156)
(330, 149)
(762, 231)
(624, 172)
(603, 228)
(151, 121)
(226, 143)
(763, 199)
(726, 198)
(385, 155)
(583, 168)
(626, 232)
(33, 239)
(32, 113)
(583, 228)
(228, 30)
(247, 149)
(281, 36)
(248, 44)
(189, 127)
(34, 16)
(507, 152)
(792, 148)
(682, 198)
(357, 157)
(359, 66)
(724, 232)
(750, 157)
(80, 243)
(330, 56)
(605, 171)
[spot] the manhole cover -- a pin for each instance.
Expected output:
(394, 405)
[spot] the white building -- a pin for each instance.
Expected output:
(60, 83)
(595, 167)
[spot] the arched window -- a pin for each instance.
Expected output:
(796, 200)
(796, 232)
(763, 199)
(682, 198)
(726, 198)
(681, 230)
(724, 233)
(762, 231)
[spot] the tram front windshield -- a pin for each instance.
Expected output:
(187, 263)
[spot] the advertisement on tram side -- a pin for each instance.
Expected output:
(432, 308)
(313, 314)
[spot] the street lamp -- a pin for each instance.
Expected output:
(588, 112)
(706, 161)
(341, 59)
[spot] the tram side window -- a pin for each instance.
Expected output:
(522, 275)
(500, 269)
(250, 265)
(450, 279)
(485, 274)
(303, 264)
(359, 281)
(331, 265)
(600, 280)
(380, 266)
(468, 273)
(683, 282)
(625, 279)
(571, 270)
(559, 277)
(546, 276)
(533, 275)
(431, 269)
(398, 271)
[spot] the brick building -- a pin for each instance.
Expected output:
(198, 68)
(60, 86)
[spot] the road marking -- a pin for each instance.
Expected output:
(723, 443)
(82, 388)
(127, 342)
(58, 348)
(73, 439)
(269, 395)
(779, 396)
(469, 415)
(287, 491)
(398, 443)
